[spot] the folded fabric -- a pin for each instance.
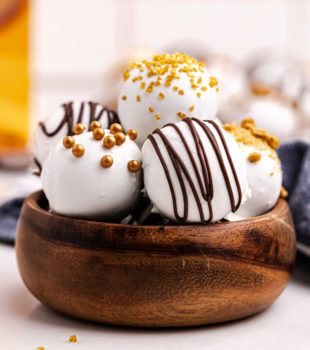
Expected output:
(9, 213)
(295, 158)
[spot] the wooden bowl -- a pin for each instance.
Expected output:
(154, 276)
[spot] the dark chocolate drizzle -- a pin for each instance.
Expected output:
(68, 118)
(39, 167)
(205, 181)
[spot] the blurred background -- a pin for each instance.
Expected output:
(52, 51)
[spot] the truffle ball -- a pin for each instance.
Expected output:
(193, 171)
(61, 123)
(95, 185)
(166, 88)
(264, 173)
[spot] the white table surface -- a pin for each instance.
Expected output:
(25, 324)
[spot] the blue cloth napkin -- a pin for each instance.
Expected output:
(9, 213)
(295, 158)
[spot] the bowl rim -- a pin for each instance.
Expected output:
(33, 199)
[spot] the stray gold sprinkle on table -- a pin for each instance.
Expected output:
(198, 94)
(73, 339)
(124, 98)
(151, 109)
(175, 88)
(254, 157)
(157, 116)
(40, 348)
(142, 85)
(203, 88)
(138, 98)
(191, 108)
(181, 115)
(181, 92)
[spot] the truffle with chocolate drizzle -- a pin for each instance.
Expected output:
(193, 171)
(64, 120)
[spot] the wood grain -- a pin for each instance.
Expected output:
(154, 276)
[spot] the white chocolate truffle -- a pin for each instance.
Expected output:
(193, 171)
(61, 123)
(232, 85)
(264, 175)
(166, 88)
(83, 187)
(273, 115)
(275, 70)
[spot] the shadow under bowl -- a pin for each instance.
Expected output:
(154, 276)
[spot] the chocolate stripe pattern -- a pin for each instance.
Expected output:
(205, 188)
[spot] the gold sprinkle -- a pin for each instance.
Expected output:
(272, 173)
(40, 348)
(109, 142)
(151, 109)
(134, 166)
(138, 98)
(168, 83)
(120, 138)
(73, 339)
(124, 98)
(98, 134)
(213, 82)
(142, 85)
(217, 89)
(175, 88)
(254, 157)
(126, 75)
(137, 78)
(157, 116)
(283, 192)
(106, 161)
(78, 150)
(94, 124)
(132, 134)
(199, 80)
(68, 142)
(198, 94)
(116, 127)
(203, 88)
(181, 92)
(149, 89)
(181, 115)
(161, 95)
(79, 128)
(191, 108)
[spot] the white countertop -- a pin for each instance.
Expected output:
(25, 324)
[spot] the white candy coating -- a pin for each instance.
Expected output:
(270, 114)
(45, 143)
(136, 114)
(264, 184)
(81, 187)
(157, 185)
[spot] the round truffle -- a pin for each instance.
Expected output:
(97, 185)
(61, 123)
(273, 115)
(165, 88)
(193, 171)
(264, 173)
